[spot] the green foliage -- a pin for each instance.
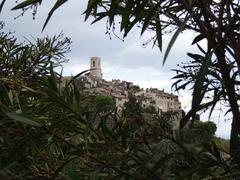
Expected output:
(201, 133)
(205, 129)
(32, 59)
(68, 145)
(222, 144)
(135, 88)
(22, 119)
(150, 109)
(132, 106)
(104, 103)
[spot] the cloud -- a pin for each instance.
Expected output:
(90, 40)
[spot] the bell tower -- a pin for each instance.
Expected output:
(95, 67)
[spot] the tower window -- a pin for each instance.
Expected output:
(93, 63)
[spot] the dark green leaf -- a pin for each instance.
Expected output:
(5, 95)
(215, 101)
(198, 38)
(1, 5)
(196, 57)
(216, 152)
(59, 169)
(174, 37)
(100, 16)
(75, 77)
(198, 92)
(159, 33)
(201, 49)
(22, 119)
(56, 6)
(92, 6)
(149, 17)
(126, 14)
(26, 3)
(112, 11)
(138, 13)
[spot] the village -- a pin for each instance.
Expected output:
(120, 90)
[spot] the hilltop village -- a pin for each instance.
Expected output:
(120, 90)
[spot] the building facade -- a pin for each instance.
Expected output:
(95, 67)
(161, 100)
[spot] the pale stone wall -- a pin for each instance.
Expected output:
(163, 101)
(95, 67)
(120, 100)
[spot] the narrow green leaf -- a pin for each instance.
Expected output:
(72, 170)
(104, 127)
(22, 119)
(198, 86)
(138, 14)
(174, 37)
(100, 16)
(60, 168)
(94, 175)
(4, 95)
(56, 6)
(25, 4)
(10, 96)
(75, 77)
(129, 27)
(182, 86)
(112, 11)
(215, 101)
(91, 7)
(198, 38)
(196, 57)
(148, 18)
(126, 14)
(1, 5)
(216, 152)
(88, 11)
(179, 76)
(201, 49)
(20, 144)
(159, 33)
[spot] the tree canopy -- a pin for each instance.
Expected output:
(104, 103)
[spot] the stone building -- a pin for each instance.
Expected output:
(161, 100)
(95, 67)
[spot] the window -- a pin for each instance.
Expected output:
(93, 63)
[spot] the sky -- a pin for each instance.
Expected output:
(127, 60)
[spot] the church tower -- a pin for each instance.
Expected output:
(95, 67)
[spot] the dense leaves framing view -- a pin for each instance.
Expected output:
(52, 128)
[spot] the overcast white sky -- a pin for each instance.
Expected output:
(127, 60)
